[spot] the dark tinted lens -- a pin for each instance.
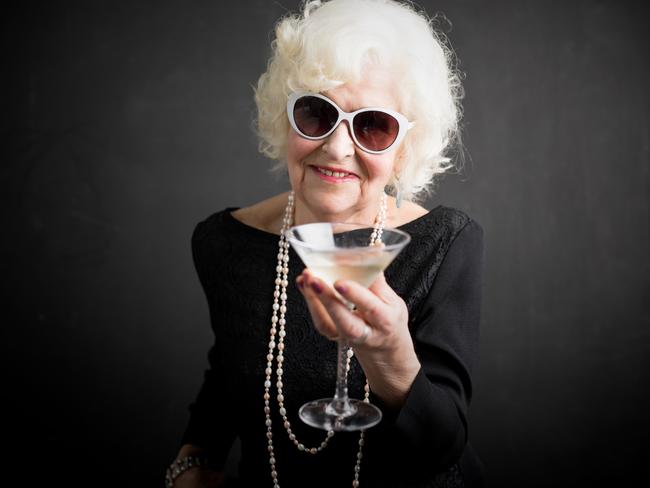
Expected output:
(314, 116)
(375, 130)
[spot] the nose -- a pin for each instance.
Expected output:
(339, 144)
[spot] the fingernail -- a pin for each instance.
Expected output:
(299, 282)
(341, 289)
(316, 287)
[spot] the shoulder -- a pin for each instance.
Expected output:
(210, 226)
(443, 222)
(445, 241)
(225, 225)
(440, 227)
(457, 221)
(445, 234)
(458, 243)
(265, 215)
(460, 237)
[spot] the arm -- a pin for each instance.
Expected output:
(431, 425)
(210, 430)
(419, 369)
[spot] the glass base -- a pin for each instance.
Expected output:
(320, 414)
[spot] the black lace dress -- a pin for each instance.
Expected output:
(423, 444)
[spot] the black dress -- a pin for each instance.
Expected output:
(424, 444)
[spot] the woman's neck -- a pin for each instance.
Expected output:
(366, 215)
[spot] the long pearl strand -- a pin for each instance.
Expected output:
(280, 305)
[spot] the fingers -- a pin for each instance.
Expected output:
(382, 289)
(322, 320)
(350, 324)
(373, 302)
(331, 316)
(363, 338)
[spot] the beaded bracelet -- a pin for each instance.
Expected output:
(181, 465)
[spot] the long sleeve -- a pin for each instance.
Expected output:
(210, 425)
(431, 427)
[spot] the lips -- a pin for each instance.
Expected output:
(334, 172)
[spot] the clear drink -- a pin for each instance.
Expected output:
(334, 251)
(360, 267)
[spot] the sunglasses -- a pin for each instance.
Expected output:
(375, 130)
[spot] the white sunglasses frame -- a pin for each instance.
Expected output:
(402, 122)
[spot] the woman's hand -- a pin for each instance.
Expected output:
(377, 330)
(197, 477)
(200, 478)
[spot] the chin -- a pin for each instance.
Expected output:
(328, 203)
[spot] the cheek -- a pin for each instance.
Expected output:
(380, 167)
(298, 148)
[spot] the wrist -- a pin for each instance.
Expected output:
(182, 464)
(390, 378)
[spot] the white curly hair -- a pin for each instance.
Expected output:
(329, 44)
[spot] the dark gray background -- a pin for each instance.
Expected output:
(125, 123)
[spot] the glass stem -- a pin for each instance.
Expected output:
(340, 404)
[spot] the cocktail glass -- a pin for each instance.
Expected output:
(334, 251)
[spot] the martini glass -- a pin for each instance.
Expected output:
(334, 251)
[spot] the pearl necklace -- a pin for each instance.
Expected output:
(280, 305)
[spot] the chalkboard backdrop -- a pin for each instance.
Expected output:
(125, 123)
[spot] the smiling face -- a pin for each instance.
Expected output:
(333, 179)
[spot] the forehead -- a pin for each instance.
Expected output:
(376, 88)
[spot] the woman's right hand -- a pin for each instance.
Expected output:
(198, 477)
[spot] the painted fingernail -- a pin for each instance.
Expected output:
(316, 287)
(341, 289)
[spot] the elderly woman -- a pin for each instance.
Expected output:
(360, 101)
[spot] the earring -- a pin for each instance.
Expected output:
(398, 191)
